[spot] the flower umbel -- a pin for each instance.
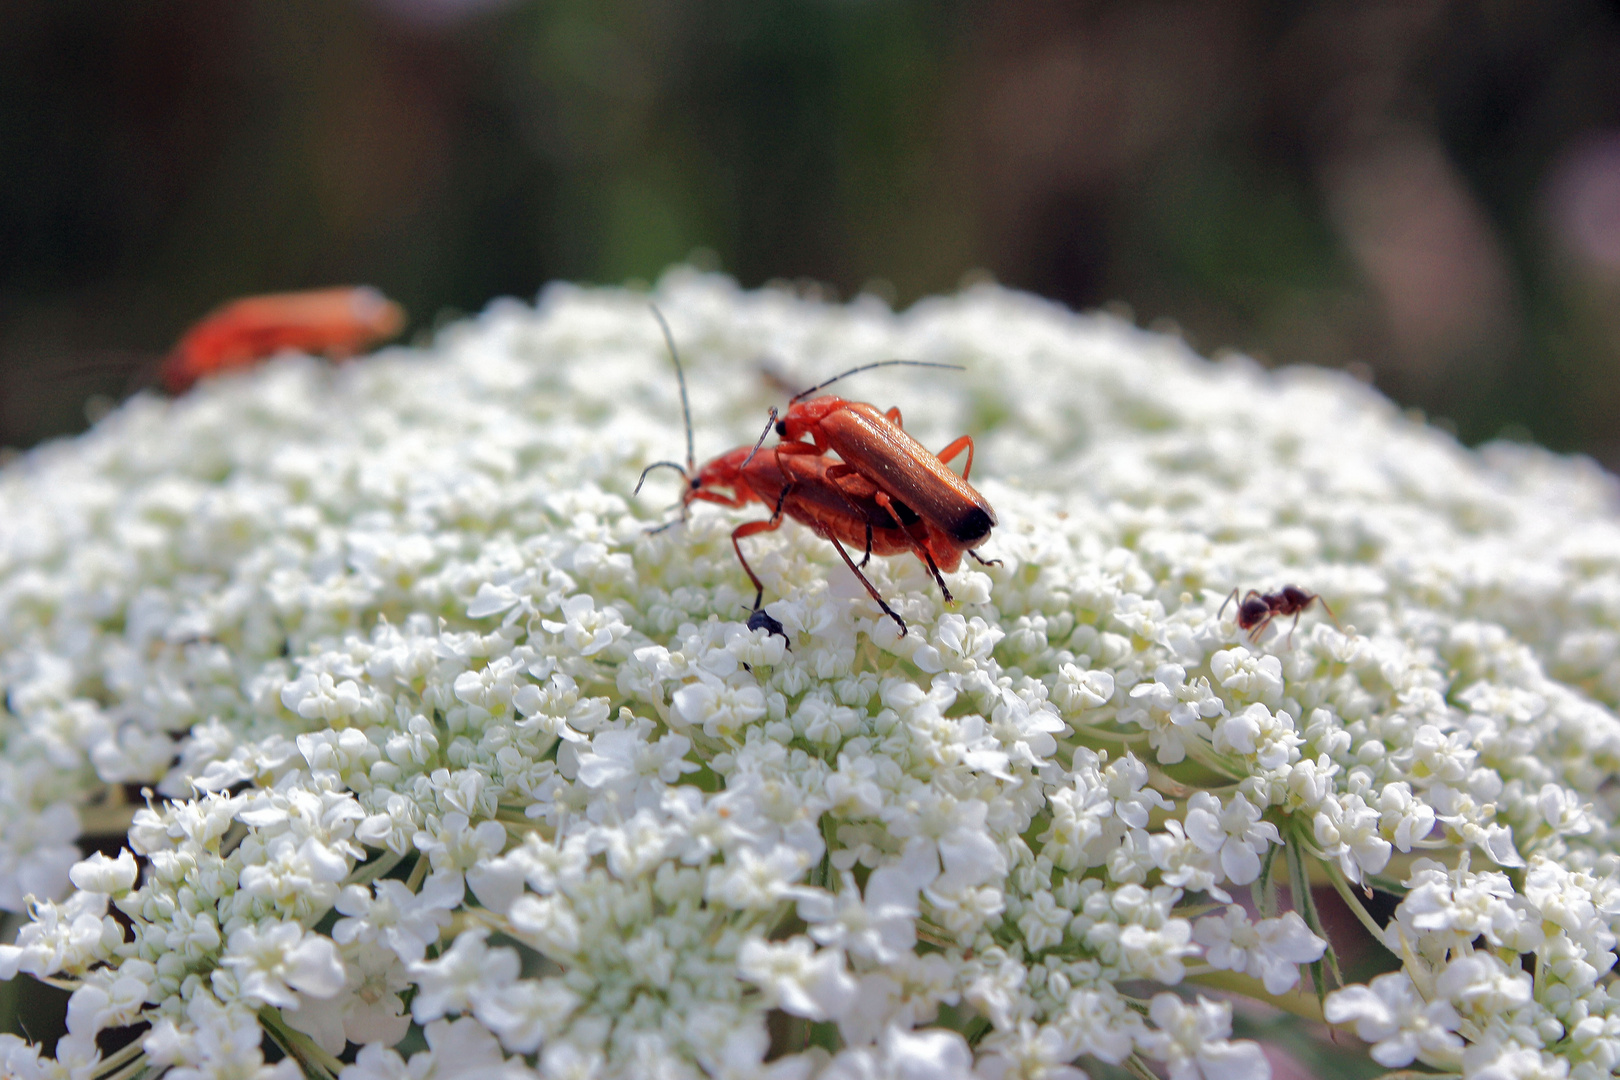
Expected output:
(456, 768)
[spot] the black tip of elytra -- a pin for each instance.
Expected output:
(973, 527)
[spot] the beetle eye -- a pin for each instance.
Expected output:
(781, 429)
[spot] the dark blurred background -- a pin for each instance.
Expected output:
(1427, 192)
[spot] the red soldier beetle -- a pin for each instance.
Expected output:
(840, 510)
(336, 322)
(799, 482)
(939, 509)
(1256, 610)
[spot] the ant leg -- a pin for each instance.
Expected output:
(1231, 596)
(981, 560)
(1260, 628)
(1294, 627)
(1329, 610)
(870, 588)
(955, 448)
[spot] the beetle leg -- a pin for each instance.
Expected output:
(686, 505)
(982, 561)
(956, 447)
(883, 500)
(867, 557)
(870, 588)
(934, 569)
(715, 497)
(893, 416)
(752, 528)
(781, 501)
(919, 540)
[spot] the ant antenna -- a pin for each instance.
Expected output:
(760, 441)
(869, 367)
(686, 405)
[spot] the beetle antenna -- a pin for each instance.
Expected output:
(660, 465)
(680, 376)
(760, 441)
(869, 367)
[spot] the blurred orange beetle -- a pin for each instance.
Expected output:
(336, 322)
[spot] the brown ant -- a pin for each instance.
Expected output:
(1256, 610)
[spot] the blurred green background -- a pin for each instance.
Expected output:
(1426, 192)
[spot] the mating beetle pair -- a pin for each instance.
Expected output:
(885, 493)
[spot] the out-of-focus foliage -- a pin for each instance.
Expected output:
(1429, 189)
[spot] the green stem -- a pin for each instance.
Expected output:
(418, 873)
(1353, 902)
(1139, 1068)
(299, 1045)
(1301, 1004)
(1203, 753)
(1299, 887)
(1264, 889)
(1097, 733)
(133, 1069)
(376, 868)
(517, 822)
(115, 1061)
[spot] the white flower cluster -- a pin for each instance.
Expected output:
(457, 770)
